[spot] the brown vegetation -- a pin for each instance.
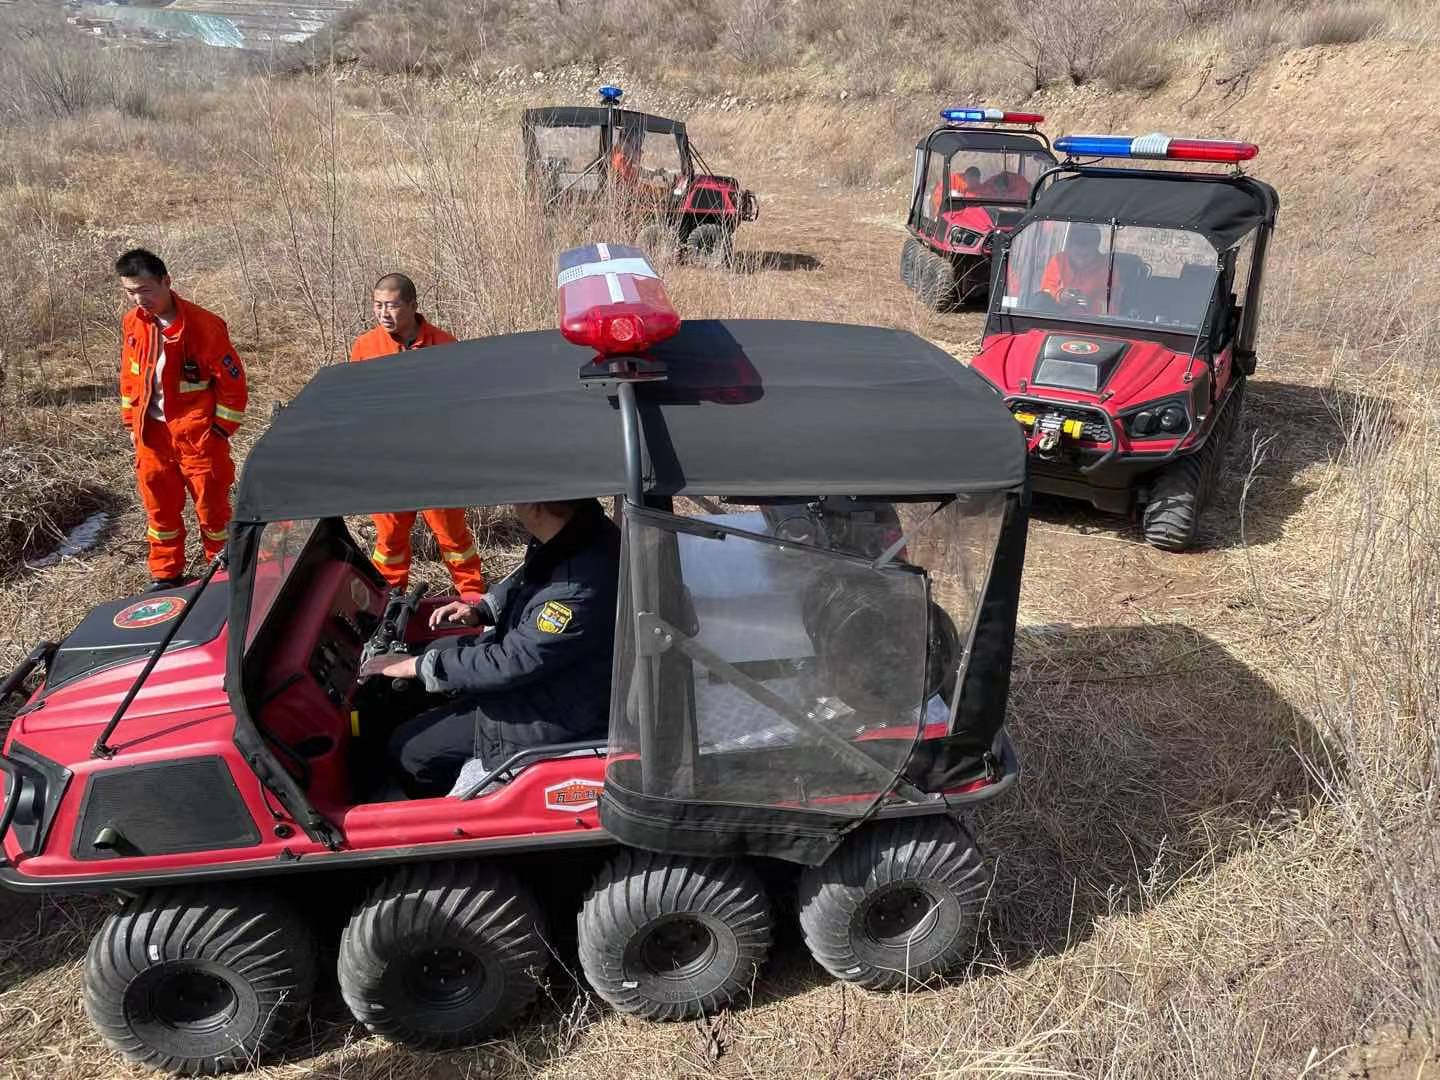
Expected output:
(1223, 858)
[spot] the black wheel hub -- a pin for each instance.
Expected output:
(193, 1001)
(900, 917)
(677, 947)
(444, 977)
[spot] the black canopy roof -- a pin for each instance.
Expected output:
(596, 116)
(946, 141)
(1223, 209)
(752, 407)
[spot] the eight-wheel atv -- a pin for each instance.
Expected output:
(1122, 324)
(973, 176)
(811, 670)
(577, 157)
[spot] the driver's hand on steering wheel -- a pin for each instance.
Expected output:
(455, 613)
(1074, 298)
(391, 665)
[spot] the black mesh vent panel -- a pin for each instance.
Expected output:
(163, 809)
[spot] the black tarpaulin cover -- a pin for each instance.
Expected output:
(597, 116)
(755, 407)
(946, 142)
(1223, 209)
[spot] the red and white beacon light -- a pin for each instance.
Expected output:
(612, 300)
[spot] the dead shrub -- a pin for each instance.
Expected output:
(1337, 24)
(1140, 64)
(753, 34)
(1247, 40)
(1067, 39)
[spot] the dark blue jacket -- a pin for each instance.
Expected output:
(543, 674)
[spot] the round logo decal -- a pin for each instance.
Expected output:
(149, 612)
(1079, 348)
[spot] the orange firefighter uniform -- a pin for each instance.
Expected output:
(1065, 273)
(392, 531)
(181, 420)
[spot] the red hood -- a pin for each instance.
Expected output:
(187, 683)
(982, 218)
(1146, 371)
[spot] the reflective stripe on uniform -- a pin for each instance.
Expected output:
(460, 556)
(229, 414)
(134, 368)
(192, 387)
(209, 535)
(386, 560)
(127, 402)
(161, 534)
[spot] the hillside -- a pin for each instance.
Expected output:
(1223, 859)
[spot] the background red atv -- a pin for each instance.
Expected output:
(808, 692)
(973, 176)
(577, 156)
(1122, 325)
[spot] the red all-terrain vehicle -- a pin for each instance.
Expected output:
(577, 156)
(1122, 325)
(810, 671)
(973, 176)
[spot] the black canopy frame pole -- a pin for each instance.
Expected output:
(641, 603)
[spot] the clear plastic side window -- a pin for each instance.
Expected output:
(770, 669)
(281, 544)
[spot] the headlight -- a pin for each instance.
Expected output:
(962, 237)
(1159, 419)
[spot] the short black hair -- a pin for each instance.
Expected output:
(1084, 232)
(137, 262)
(399, 283)
(973, 170)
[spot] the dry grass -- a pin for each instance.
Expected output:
(1222, 859)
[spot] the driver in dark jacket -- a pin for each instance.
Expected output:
(541, 676)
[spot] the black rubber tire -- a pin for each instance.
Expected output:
(709, 246)
(1182, 490)
(908, 253)
(442, 955)
(644, 908)
(200, 981)
(937, 287)
(659, 241)
(897, 904)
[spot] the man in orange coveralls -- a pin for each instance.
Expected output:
(399, 327)
(1079, 276)
(182, 395)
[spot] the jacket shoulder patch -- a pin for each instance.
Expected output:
(553, 617)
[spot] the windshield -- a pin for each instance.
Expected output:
(565, 153)
(281, 544)
(990, 176)
(1128, 273)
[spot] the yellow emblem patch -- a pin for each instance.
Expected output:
(553, 617)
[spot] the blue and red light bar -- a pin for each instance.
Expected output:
(1156, 148)
(989, 116)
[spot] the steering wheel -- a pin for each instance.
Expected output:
(1074, 299)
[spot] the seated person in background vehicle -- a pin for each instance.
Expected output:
(1078, 278)
(1006, 185)
(966, 184)
(541, 677)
